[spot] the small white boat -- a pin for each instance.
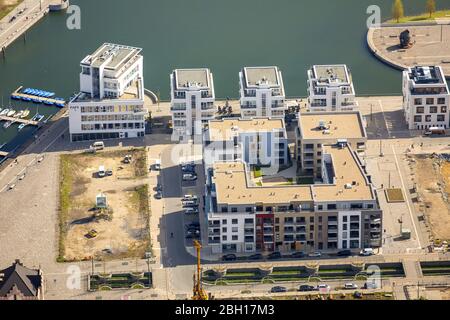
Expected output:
(11, 113)
(21, 126)
(7, 124)
(25, 113)
(4, 112)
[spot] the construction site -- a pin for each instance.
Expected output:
(431, 174)
(104, 206)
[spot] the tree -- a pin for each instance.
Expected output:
(397, 10)
(431, 7)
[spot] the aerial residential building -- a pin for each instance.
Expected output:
(111, 99)
(426, 98)
(340, 213)
(316, 129)
(330, 88)
(192, 101)
(262, 93)
(260, 142)
(17, 282)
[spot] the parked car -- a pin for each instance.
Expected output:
(101, 172)
(344, 253)
(191, 211)
(189, 197)
(298, 255)
(323, 286)
(274, 256)
(350, 286)
(193, 232)
(194, 225)
(229, 257)
(306, 288)
(256, 256)
(158, 187)
(157, 165)
(189, 203)
(189, 177)
(188, 169)
(357, 295)
(315, 254)
(366, 252)
(127, 159)
(278, 289)
(109, 172)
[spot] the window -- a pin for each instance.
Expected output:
(224, 209)
(433, 109)
(248, 209)
(234, 210)
(420, 109)
(332, 206)
(249, 221)
(224, 221)
(428, 118)
(441, 100)
(430, 100)
(440, 117)
(320, 207)
(311, 220)
(417, 101)
(234, 238)
(417, 118)
(444, 109)
(234, 229)
(224, 238)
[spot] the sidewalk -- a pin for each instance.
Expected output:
(34, 10)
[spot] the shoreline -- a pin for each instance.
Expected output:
(382, 56)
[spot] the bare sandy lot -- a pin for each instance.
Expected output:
(433, 183)
(123, 229)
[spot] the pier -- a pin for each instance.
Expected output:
(19, 120)
(17, 93)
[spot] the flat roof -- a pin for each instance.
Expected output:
(187, 78)
(347, 171)
(331, 73)
(255, 76)
(232, 187)
(226, 129)
(426, 75)
(339, 125)
(112, 56)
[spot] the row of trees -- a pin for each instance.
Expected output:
(398, 11)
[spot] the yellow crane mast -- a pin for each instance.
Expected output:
(199, 292)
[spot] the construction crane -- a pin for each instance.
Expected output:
(199, 292)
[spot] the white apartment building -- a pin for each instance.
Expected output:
(260, 142)
(262, 93)
(330, 88)
(192, 101)
(426, 98)
(110, 103)
(317, 129)
(341, 213)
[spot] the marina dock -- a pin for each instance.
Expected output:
(18, 120)
(21, 95)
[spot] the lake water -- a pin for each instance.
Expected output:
(221, 35)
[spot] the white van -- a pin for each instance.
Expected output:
(98, 145)
(101, 171)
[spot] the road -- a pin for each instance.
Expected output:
(34, 11)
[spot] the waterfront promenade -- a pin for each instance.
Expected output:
(33, 11)
(431, 44)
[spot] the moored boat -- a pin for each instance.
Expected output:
(11, 113)
(21, 126)
(25, 113)
(4, 112)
